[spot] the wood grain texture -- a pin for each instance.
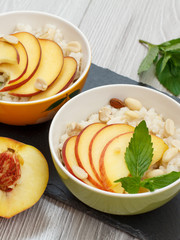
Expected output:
(113, 29)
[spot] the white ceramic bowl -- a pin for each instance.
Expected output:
(86, 103)
(32, 112)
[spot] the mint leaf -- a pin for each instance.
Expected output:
(164, 61)
(160, 181)
(172, 44)
(166, 58)
(149, 59)
(171, 48)
(169, 77)
(130, 184)
(139, 153)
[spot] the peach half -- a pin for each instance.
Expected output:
(24, 176)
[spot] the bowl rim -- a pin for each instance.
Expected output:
(83, 74)
(88, 187)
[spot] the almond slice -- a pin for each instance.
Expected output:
(73, 46)
(10, 39)
(133, 104)
(79, 172)
(40, 84)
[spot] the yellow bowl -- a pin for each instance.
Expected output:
(33, 112)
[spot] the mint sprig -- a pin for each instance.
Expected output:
(166, 58)
(139, 154)
(138, 157)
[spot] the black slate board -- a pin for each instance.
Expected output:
(160, 224)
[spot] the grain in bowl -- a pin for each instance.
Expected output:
(86, 146)
(15, 90)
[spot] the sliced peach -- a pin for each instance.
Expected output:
(82, 151)
(69, 158)
(23, 176)
(112, 163)
(100, 139)
(16, 71)
(8, 53)
(33, 49)
(49, 68)
(159, 147)
(64, 79)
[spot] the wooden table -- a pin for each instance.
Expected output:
(113, 28)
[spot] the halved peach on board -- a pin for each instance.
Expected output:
(16, 71)
(49, 68)
(24, 176)
(82, 151)
(8, 53)
(70, 161)
(64, 79)
(100, 139)
(32, 46)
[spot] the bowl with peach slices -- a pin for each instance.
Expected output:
(117, 148)
(44, 62)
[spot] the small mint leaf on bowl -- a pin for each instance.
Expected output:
(139, 153)
(130, 184)
(160, 181)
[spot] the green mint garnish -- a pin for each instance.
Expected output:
(130, 184)
(160, 181)
(166, 58)
(149, 59)
(139, 153)
(138, 157)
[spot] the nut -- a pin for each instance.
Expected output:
(104, 114)
(154, 173)
(132, 114)
(10, 39)
(74, 128)
(5, 76)
(169, 154)
(176, 143)
(73, 46)
(133, 104)
(40, 84)
(79, 172)
(2, 79)
(116, 103)
(169, 127)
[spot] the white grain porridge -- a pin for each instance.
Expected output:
(157, 125)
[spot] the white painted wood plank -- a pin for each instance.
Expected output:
(114, 32)
(71, 10)
(49, 219)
